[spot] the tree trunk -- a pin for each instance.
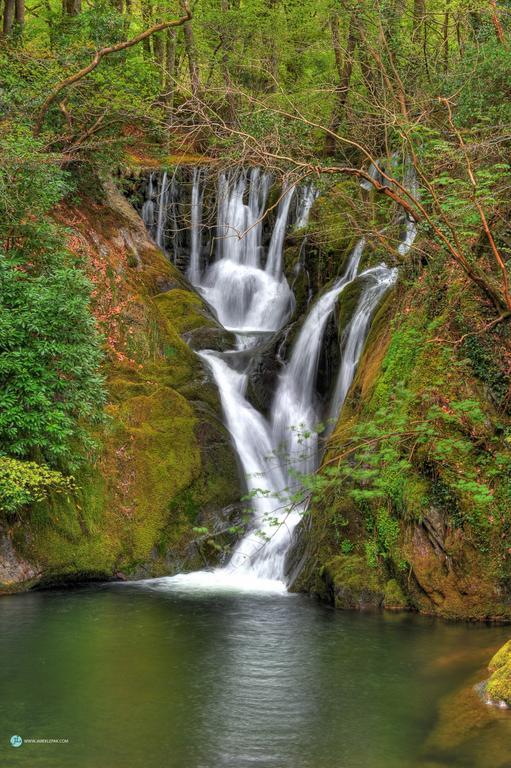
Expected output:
(170, 70)
(20, 13)
(159, 53)
(225, 44)
(499, 30)
(72, 7)
(147, 12)
(191, 54)
(272, 56)
(419, 16)
(344, 70)
(8, 16)
(445, 41)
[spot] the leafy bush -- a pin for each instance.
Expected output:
(24, 482)
(49, 356)
(49, 347)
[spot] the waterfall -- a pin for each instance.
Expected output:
(376, 282)
(194, 268)
(295, 412)
(274, 259)
(148, 208)
(163, 194)
(239, 225)
(411, 182)
(306, 198)
(247, 299)
(261, 553)
(274, 452)
(246, 287)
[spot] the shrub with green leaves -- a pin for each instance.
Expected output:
(50, 350)
(49, 358)
(25, 482)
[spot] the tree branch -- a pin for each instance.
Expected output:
(54, 93)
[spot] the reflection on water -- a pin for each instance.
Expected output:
(159, 675)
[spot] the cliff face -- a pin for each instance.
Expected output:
(414, 512)
(161, 464)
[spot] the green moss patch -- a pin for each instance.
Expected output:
(498, 687)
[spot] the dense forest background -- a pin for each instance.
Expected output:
(337, 92)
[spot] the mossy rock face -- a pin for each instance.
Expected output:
(297, 273)
(347, 304)
(332, 217)
(498, 687)
(354, 583)
(394, 598)
(164, 464)
(187, 316)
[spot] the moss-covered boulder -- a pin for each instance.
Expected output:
(498, 687)
(162, 466)
(394, 598)
(354, 584)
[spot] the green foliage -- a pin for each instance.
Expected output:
(347, 547)
(31, 183)
(484, 96)
(49, 356)
(388, 531)
(417, 448)
(384, 468)
(25, 482)
(372, 552)
(49, 347)
(485, 367)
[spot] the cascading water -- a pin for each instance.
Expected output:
(148, 207)
(295, 410)
(247, 289)
(411, 182)
(376, 282)
(249, 299)
(306, 197)
(162, 207)
(261, 553)
(194, 269)
(274, 259)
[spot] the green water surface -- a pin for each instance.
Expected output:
(155, 676)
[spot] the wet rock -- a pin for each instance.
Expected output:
(498, 687)
(16, 573)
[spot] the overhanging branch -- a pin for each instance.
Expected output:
(54, 93)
